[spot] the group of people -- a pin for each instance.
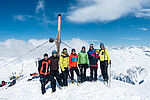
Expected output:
(78, 63)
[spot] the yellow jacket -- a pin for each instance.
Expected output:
(64, 61)
(104, 55)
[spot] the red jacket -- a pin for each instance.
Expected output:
(73, 60)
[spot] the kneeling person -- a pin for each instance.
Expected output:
(45, 76)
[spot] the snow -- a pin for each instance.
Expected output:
(127, 61)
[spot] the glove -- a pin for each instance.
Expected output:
(63, 69)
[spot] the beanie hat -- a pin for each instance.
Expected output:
(83, 47)
(73, 50)
(64, 49)
(101, 44)
(45, 55)
(54, 52)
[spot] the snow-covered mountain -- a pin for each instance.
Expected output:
(130, 71)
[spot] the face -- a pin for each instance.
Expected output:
(83, 49)
(91, 47)
(54, 54)
(65, 51)
(102, 47)
(97, 52)
(73, 52)
(45, 57)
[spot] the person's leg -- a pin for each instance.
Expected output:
(106, 70)
(72, 74)
(58, 79)
(91, 73)
(84, 75)
(102, 69)
(95, 73)
(42, 80)
(81, 73)
(65, 73)
(77, 73)
(53, 82)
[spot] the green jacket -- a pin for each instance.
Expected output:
(83, 58)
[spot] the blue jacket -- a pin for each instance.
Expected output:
(91, 52)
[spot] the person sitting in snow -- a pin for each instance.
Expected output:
(45, 76)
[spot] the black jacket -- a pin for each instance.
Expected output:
(54, 63)
(42, 66)
(94, 60)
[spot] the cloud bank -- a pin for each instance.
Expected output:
(104, 10)
(11, 47)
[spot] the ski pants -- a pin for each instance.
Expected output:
(72, 73)
(44, 80)
(93, 69)
(65, 76)
(83, 71)
(55, 73)
(104, 69)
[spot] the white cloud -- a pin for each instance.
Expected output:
(19, 17)
(104, 10)
(23, 17)
(39, 16)
(143, 13)
(131, 39)
(143, 29)
(40, 6)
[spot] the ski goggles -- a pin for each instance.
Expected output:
(64, 51)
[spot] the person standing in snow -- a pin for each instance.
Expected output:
(64, 63)
(91, 51)
(73, 60)
(94, 65)
(83, 62)
(54, 67)
(45, 76)
(104, 61)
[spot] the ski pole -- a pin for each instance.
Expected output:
(110, 75)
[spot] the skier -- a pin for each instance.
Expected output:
(64, 63)
(104, 62)
(91, 50)
(83, 62)
(54, 67)
(94, 65)
(45, 76)
(73, 60)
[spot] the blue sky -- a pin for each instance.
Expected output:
(114, 22)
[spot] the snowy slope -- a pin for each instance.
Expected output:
(126, 62)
